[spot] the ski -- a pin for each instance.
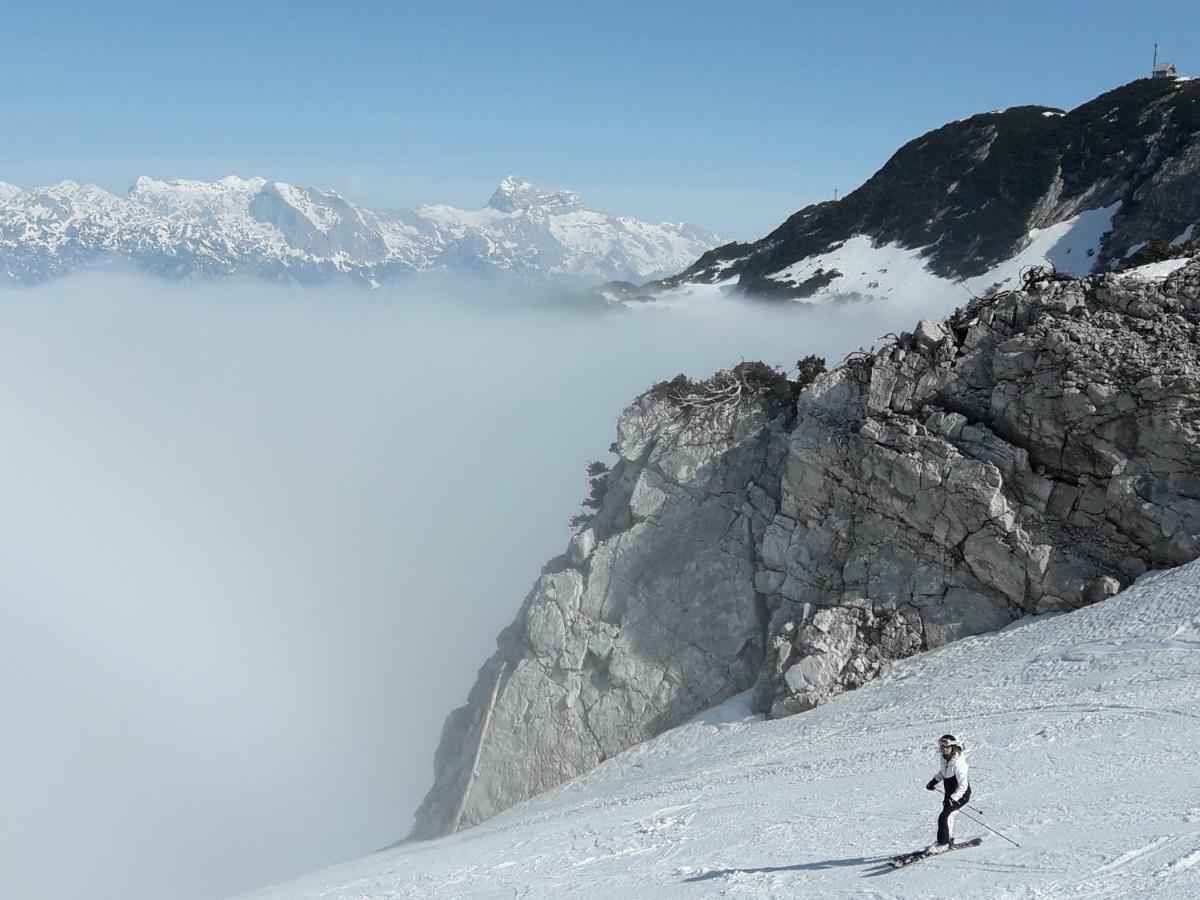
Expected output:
(905, 859)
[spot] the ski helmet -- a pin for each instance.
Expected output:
(949, 740)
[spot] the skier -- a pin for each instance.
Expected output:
(955, 778)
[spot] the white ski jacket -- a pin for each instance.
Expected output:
(956, 773)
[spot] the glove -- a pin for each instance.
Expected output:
(952, 804)
(932, 786)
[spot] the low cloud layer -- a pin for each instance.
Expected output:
(256, 541)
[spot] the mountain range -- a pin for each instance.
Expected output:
(269, 229)
(958, 211)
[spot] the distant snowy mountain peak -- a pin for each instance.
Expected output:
(252, 226)
(513, 195)
(146, 186)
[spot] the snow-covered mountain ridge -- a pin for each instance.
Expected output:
(977, 198)
(278, 231)
(1080, 730)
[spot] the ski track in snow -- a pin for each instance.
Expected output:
(1081, 728)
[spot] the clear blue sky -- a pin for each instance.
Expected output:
(731, 115)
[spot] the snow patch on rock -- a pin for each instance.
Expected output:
(865, 271)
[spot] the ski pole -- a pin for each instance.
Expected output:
(985, 825)
(990, 828)
(970, 807)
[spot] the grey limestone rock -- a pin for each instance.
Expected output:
(650, 617)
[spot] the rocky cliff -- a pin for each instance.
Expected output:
(1034, 452)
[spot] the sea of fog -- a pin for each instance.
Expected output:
(255, 542)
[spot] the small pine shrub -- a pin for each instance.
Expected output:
(808, 368)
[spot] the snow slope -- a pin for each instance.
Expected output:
(859, 270)
(1082, 730)
(1158, 271)
(269, 229)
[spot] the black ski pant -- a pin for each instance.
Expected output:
(945, 820)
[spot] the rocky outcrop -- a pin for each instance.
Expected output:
(1035, 452)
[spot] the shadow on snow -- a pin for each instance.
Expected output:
(799, 867)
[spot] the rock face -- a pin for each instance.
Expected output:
(649, 618)
(1035, 452)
